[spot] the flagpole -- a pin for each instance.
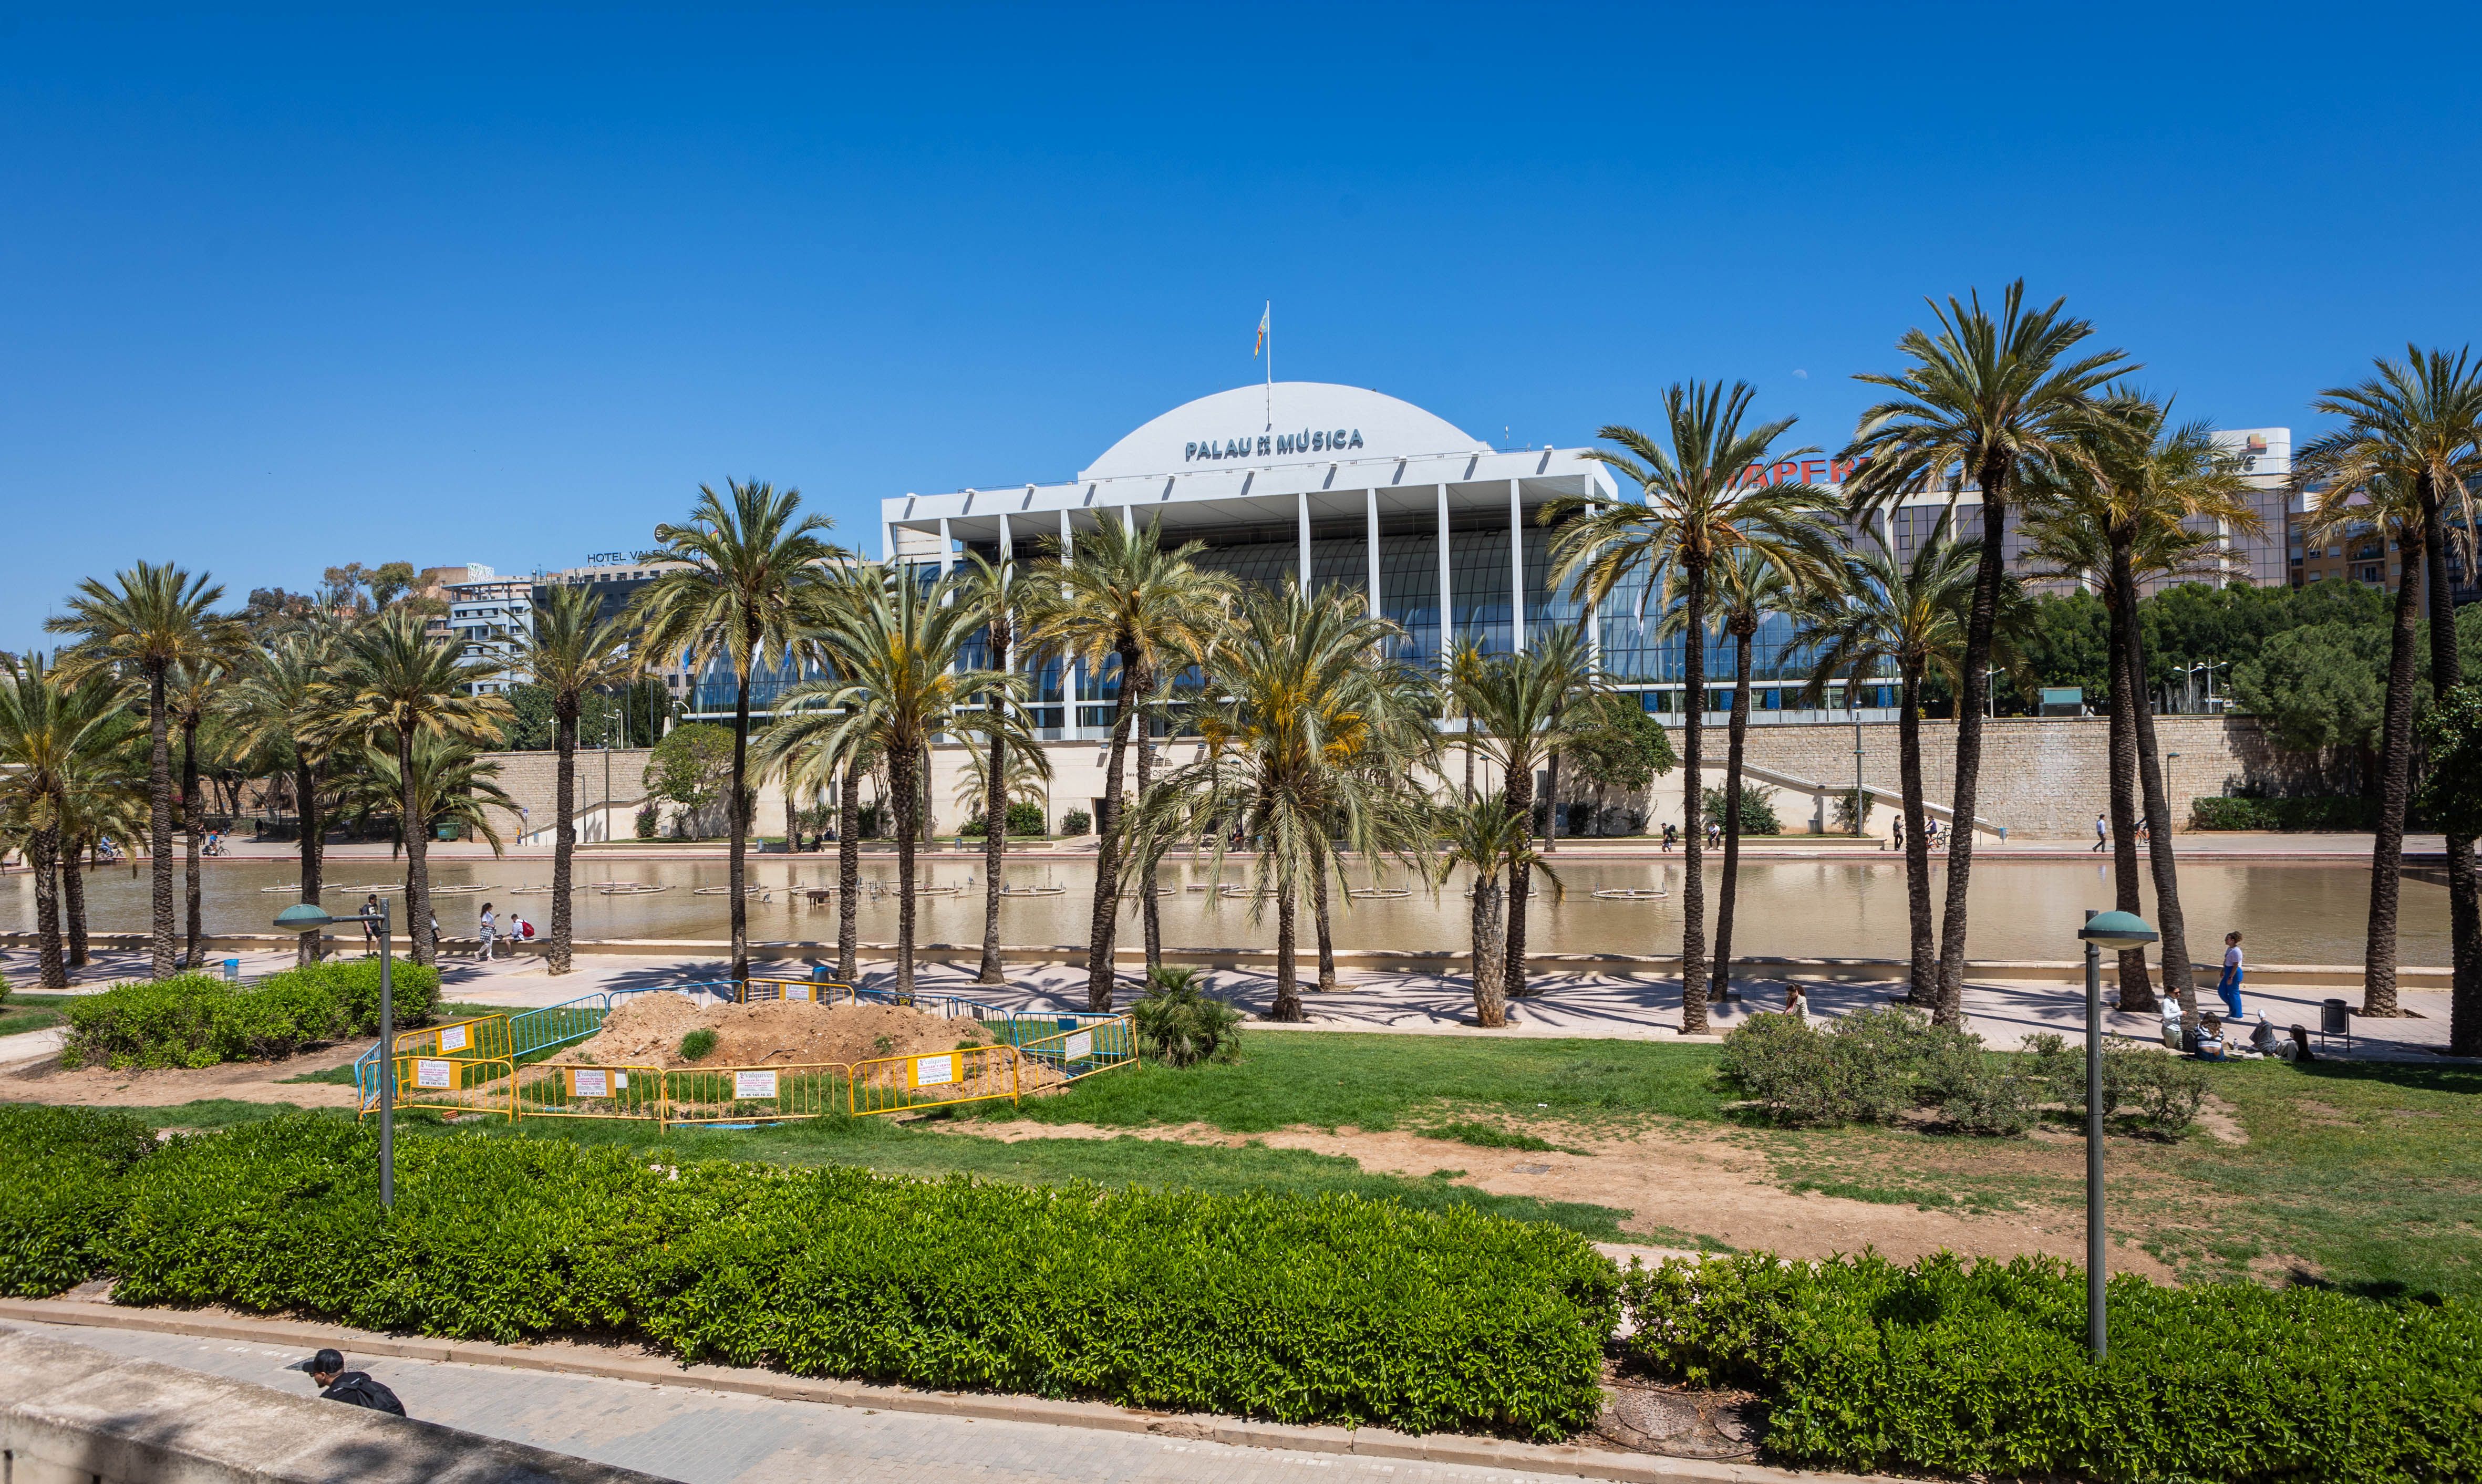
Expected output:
(1268, 318)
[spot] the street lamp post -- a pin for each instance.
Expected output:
(311, 917)
(2116, 931)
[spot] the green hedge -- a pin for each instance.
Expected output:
(2225, 813)
(201, 1019)
(1335, 1309)
(1981, 1368)
(60, 1191)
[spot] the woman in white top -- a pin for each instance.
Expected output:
(2229, 986)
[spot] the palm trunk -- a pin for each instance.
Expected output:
(1922, 969)
(1289, 990)
(44, 851)
(848, 873)
(73, 897)
(1469, 755)
(902, 762)
(564, 839)
(2463, 910)
(2178, 980)
(1737, 739)
(1551, 791)
(1321, 912)
(1491, 1002)
(995, 802)
(159, 819)
(2136, 986)
(1693, 753)
(1518, 789)
(190, 820)
(2395, 787)
(1102, 929)
(417, 854)
(736, 870)
(305, 786)
(1974, 690)
(1150, 911)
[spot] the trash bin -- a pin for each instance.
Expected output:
(232, 970)
(2334, 1017)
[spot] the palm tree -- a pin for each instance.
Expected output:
(1313, 736)
(1911, 615)
(275, 700)
(1465, 669)
(191, 695)
(53, 724)
(106, 796)
(1120, 597)
(1002, 772)
(2420, 422)
(1694, 509)
(451, 785)
(572, 649)
(745, 591)
(1522, 704)
(895, 686)
(1485, 836)
(158, 617)
(2394, 505)
(1749, 585)
(392, 687)
(2135, 496)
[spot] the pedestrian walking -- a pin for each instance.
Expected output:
(489, 924)
(371, 925)
(354, 1388)
(2229, 984)
(2102, 834)
(1671, 836)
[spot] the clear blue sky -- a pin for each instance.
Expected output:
(285, 289)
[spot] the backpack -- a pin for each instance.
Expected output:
(356, 1388)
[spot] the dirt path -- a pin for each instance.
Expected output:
(1676, 1183)
(46, 1080)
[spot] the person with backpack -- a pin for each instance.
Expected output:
(354, 1388)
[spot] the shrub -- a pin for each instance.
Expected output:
(1869, 1067)
(1757, 809)
(60, 1191)
(647, 822)
(1981, 1368)
(1336, 1310)
(2168, 1090)
(200, 1020)
(698, 1044)
(1076, 822)
(1178, 1021)
(1025, 817)
(2228, 813)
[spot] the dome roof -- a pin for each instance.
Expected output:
(1313, 420)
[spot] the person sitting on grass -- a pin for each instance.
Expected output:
(354, 1388)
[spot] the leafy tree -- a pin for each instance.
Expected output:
(1983, 400)
(1617, 748)
(2319, 688)
(1694, 511)
(2066, 642)
(692, 768)
(1757, 809)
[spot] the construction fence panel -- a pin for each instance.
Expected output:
(819, 992)
(532, 1031)
(756, 1095)
(456, 1084)
(934, 1079)
(560, 1090)
(1100, 1043)
(482, 1036)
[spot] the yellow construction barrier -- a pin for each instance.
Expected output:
(934, 1079)
(1096, 1045)
(756, 1095)
(485, 1035)
(456, 1084)
(550, 1090)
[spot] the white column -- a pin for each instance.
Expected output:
(944, 544)
(1593, 627)
(1516, 570)
(1447, 604)
(1067, 677)
(1302, 507)
(1371, 507)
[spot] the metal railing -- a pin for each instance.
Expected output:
(565, 1090)
(453, 1084)
(934, 1079)
(756, 1095)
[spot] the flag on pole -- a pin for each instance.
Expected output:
(1262, 330)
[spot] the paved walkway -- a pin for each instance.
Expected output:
(719, 1437)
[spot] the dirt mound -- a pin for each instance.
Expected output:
(647, 1031)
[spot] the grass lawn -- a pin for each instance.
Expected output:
(32, 1012)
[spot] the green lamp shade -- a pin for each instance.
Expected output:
(2117, 930)
(304, 917)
